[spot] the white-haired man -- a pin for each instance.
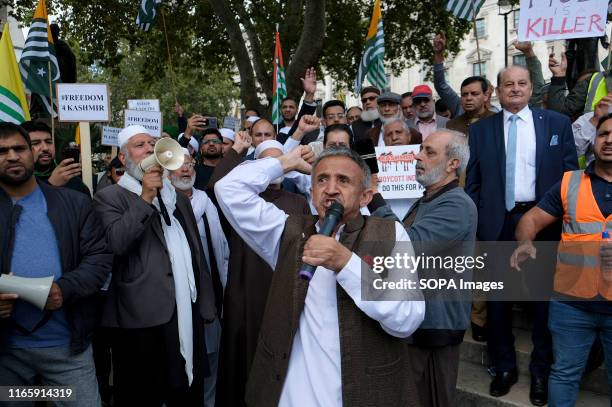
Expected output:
(435, 229)
(161, 293)
(216, 252)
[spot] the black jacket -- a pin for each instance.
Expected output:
(86, 261)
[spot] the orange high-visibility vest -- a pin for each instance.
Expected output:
(578, 273)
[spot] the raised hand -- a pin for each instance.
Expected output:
(525, 47)
(294, 161)
(242, 141)
(151, 182)
(557, 69)
(309, 123)
(64, 172)
(439, 46)
(309, 83)
(195, 122)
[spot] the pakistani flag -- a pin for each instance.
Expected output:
(465, 9)
(38, 63)
(13, 105)
(147, 12)
(373, 60)
(279, 86)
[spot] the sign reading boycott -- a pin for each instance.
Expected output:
(150, 105)
(83, 102)
(151, 121)
(397, 172)
(561, 19)
(110, 136)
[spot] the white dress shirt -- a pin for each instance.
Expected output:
(314, 372)
(525, 170)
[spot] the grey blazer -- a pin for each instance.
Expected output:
(141, 293)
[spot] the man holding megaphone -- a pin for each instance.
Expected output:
(53, 262)
(161, 294)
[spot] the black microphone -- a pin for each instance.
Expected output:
(332, 217)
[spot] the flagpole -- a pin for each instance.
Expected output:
(51, 99)
(609, 54)
(169, 56)
(278, 104)
(476, 35)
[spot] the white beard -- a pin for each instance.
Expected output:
(386, 120)
(181, 184)
(132, 168)
(370, 115)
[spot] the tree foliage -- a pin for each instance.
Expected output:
(238, 36)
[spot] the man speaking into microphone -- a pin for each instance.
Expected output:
(321, 343)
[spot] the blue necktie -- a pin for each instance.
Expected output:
(511, 163)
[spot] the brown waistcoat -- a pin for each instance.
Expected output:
(373, 363)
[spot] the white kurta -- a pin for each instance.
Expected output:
(314, 373)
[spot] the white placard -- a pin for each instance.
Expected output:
(231, 123)
(83, 102)
(151, 121)
(397, 175)
(109, 136)
(149, 105)
(560, 19)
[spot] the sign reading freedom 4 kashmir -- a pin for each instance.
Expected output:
(151, 121)
(83, 102)
(560, 19)
(397, 172)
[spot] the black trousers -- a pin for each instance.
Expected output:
(149, 369)
(499, 316)
(435, 373)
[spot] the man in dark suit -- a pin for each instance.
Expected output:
(515, 157)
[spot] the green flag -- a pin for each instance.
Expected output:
(279, 86)
(38, 64)
(372, 63)
(147, 12)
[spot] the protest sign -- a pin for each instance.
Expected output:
(397, 175)
(83, 102)
(231, 123)
(109, 136)
(562, 19)
(149, 105)
(151, 121)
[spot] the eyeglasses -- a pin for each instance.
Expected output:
(369, 99)
(335, 116)
(211, 141)
(188, 165)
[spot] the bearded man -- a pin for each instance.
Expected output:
(161, 292)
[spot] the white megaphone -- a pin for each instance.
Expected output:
(32, 290)
(168, 154)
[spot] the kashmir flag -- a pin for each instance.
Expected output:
(373, 60)
(13, 103)
(464, 8)
(279, 86)
(147, 12)
(38, 58)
